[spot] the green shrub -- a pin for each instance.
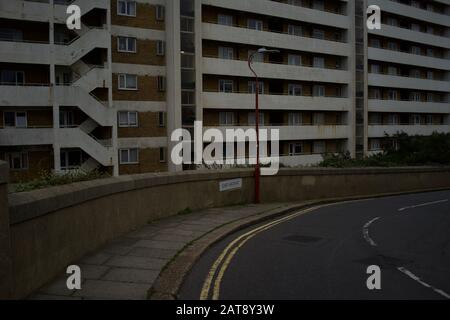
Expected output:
(48, 179)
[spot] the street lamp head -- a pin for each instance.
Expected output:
(264, 50)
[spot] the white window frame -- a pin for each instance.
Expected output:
(128, 123)
(162, 155)
(160, 13)
(162, 119)
(161, 83)
(251, 118)
(293, 88)
(126, 14)
(223, 83)
(294, 59)
(258, 24)
(319, 62)
(128, 151)
(226, 118)
(127, 49)
(295, 118)
(227, 19)
(251, 87)
(321, 146)
(125, 76)
(295, 30)
(226, 53)
(319, 91)
(15, 119)
(160, 48)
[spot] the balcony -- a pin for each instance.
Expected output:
(408, 106)
(283, 10)
(24, 52)
(301, 132)
(235, 34)
(274, 71)
(412, 12)
(26, 136)
(379, 131)
(408, 58)
(393, 81)
(38, 95)
(413, 36)
(221, 100)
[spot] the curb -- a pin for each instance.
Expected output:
(169, 281)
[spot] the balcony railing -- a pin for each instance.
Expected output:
(277, 32)
(409, 52)
(408, 76)
(308, 65)
(340, 12)
(278, 94)
(409, 100)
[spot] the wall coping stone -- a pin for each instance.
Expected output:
(29, 205)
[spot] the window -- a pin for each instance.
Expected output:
(160, 13)
(375, 68)
(319, 147)
(295, 2)
(161, 119)
(415, 96)
(128, 119)
(66, 119)
(126, 44)
(8, 34)
(295, 149)
(319, 62)
(319, 91)
(376, 94)
(225, 20)
(252, 117)
(71, 159)
(430, 75)
(392, 46)
(430, 119)
(161, 83)
(15, 119)
(430, 52)
(294, 60)
(430, 29)
(318, 34)
(162, 155)
(160, 48)
(17, 160)
(375, 144)
(392, 94)
(252, 87)
(226, 86)
(127, 82)
(318, 118)
(416, 119)
(393, 119)
(295, 119)
(255, 24)
(430, 97)
(392, 22)
(226, 53)
(126, 8)
(12, 77)
(257, 57)
(392, 71)
(375, 43)
(415, 73)
(416, 50)
(319, 5)
(295, 30)
(415, 27)
(226, 118)
(295, 89)
(129, 156)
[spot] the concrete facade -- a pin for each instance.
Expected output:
(136, 73)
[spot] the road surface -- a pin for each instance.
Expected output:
(324, 253)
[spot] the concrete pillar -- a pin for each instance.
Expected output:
(6, 278)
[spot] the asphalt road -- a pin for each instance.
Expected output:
(325, 253)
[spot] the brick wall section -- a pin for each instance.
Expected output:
(148, 126)
(145, 53)
(148, 162)
(147, 90)
(145, 17)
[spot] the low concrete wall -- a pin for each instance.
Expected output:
(51, 228)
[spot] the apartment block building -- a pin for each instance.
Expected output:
(108, 96)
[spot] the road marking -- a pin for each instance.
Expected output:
(221, 264)
(423, 205)
(417, 279)
(366, 232)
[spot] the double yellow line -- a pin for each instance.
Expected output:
(220, 266)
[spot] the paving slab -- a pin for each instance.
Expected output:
(127, 267)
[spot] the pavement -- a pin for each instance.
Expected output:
(325, 252)
(127, 268)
